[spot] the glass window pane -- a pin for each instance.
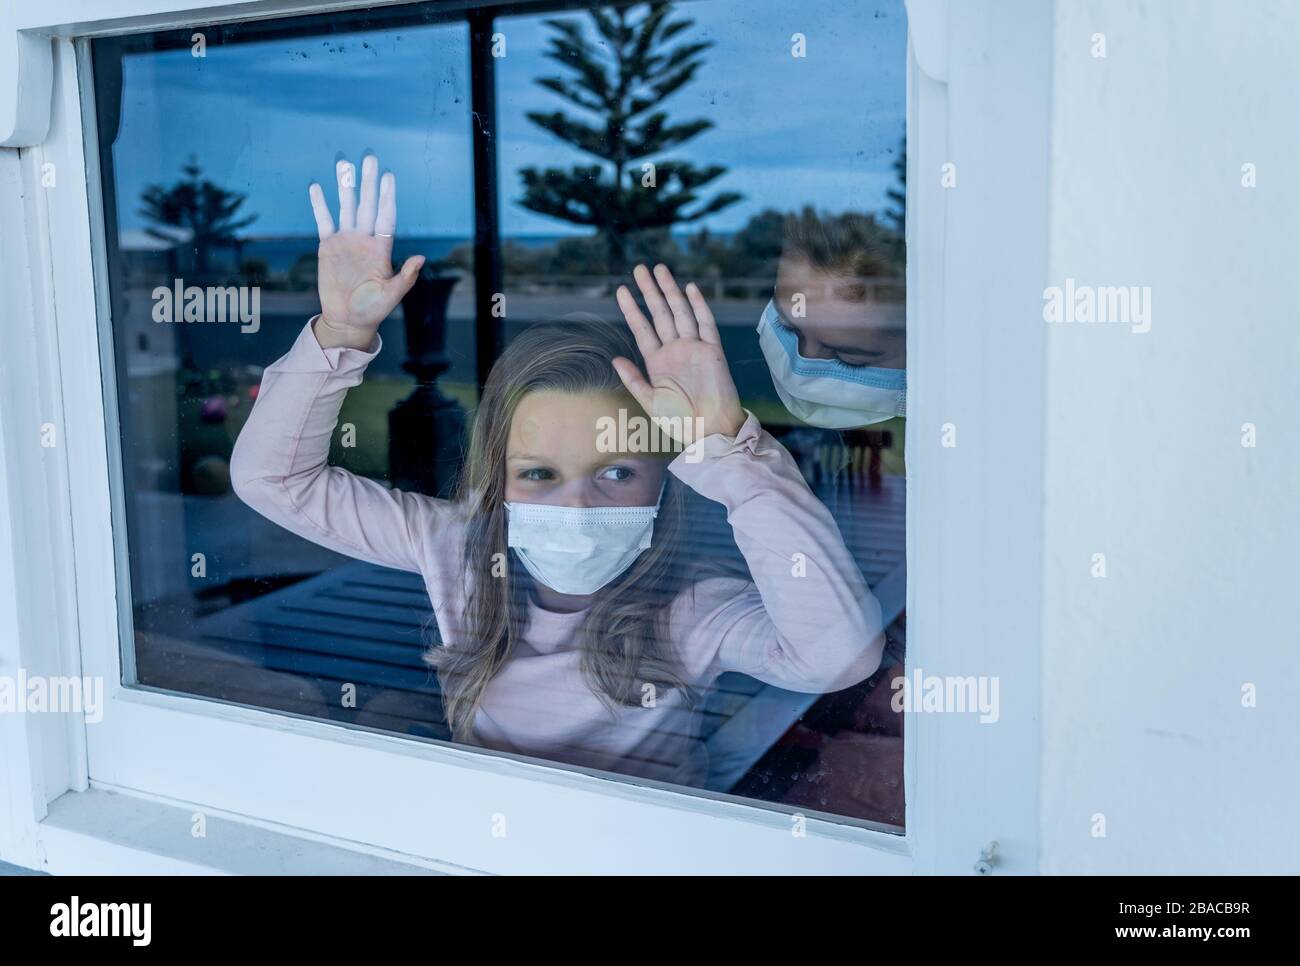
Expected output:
(511, 565)
(773, 169)
(209, 140)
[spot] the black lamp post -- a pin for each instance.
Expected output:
(426, 430)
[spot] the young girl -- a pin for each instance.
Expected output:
(573, 625)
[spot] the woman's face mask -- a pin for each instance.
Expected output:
(827, 392)
(578, 550)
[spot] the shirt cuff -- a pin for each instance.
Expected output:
(688, 464)
(308, 355)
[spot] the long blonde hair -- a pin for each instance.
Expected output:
(624, 634)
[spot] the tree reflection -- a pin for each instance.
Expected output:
(204, 210)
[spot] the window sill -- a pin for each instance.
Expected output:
(101, 832)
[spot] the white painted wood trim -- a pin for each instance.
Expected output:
(927, 29)
(438, 802)
(101, 832)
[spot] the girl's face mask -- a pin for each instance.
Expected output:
(827, 392)
(578, 550)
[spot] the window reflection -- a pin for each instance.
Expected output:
(725, 160)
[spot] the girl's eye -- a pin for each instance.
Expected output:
(536, 474)
(619, 474)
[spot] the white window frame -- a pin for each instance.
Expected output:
(973, 511)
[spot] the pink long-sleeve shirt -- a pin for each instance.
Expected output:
(806, 622)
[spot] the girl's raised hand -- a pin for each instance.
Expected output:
(686, 371)
(357, 286)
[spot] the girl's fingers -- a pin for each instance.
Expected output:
(636, 383)
(386, 217)
(368, 206)
(321, 210)
(703, 315)
(642, 330)
(654, 300)
(347, 178)
(683, 317)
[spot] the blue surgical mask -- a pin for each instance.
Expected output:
(827, 392)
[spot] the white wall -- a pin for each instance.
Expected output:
(1144, 669)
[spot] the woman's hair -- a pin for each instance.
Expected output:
(848, 244)
(623, 634)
